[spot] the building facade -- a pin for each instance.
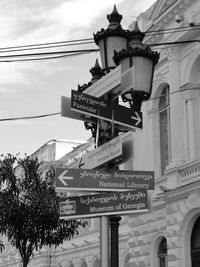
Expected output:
(169, 144)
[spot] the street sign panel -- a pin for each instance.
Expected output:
(126, 139)
(107, 83)
(100, 180)
(67, 112)
(122, 116)
(89, 105)
(103, 204)
(102, 154)
(119, 115)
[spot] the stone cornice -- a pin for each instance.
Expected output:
(182, 192)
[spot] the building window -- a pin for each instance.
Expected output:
(162, 253)
(164, 123)
(195, 244)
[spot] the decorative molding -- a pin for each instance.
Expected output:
(194, 54)
(190, 173)
(191, 93)
(163, 15)
(173, 53)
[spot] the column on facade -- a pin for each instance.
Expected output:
(176, 108)
(153, 128)
(191, 99)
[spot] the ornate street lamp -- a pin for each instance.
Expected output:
(141, 60)
(113, 38)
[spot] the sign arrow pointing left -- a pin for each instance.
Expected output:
(63, 178)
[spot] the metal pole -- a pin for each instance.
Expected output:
(104, 220)
(104, 241)
(114, 226)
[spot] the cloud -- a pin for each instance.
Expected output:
(80, 15)
(4, 90)
(32, 21)
(11, 74)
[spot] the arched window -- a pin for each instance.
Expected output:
(162, 253)
(164, 123)
(195, 244)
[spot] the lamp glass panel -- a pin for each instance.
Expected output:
(116, 43)
(107, 48)
(143, 73)
(125, 64)
(102, 53)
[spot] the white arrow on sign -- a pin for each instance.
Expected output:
(137, 118)
(62, 177)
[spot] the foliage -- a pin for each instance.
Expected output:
(2, 247)
(29, 205)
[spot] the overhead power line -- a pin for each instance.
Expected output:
(33, 46)
(4, 50)
(174, 30)
(50, 53)
(58, 113)
(48, 57)
(31, 117)
(175, 43)
(69, 53)
(85, 41)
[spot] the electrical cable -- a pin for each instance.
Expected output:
(45, 44)
(46, 58)
(49, 53)
(44, 47)
(174, 43)
(58, 113)
(31, 117)
(72, 52)
(174, 28)
(149, 33)
(84, 41)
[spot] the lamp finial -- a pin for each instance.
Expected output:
(114, 19)
(96, 72)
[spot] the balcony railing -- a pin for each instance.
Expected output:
(190, 173)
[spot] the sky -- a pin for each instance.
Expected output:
(31, 88)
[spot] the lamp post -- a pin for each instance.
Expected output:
(123, 47)
(114, 38)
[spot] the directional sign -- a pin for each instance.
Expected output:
(67, 112)
(103, 204)
(95, 107)
(122, 116)
(87, 104)
(100, 180)
(87, 160)
(111, 150)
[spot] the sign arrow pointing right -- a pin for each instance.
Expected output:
(137, 118)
